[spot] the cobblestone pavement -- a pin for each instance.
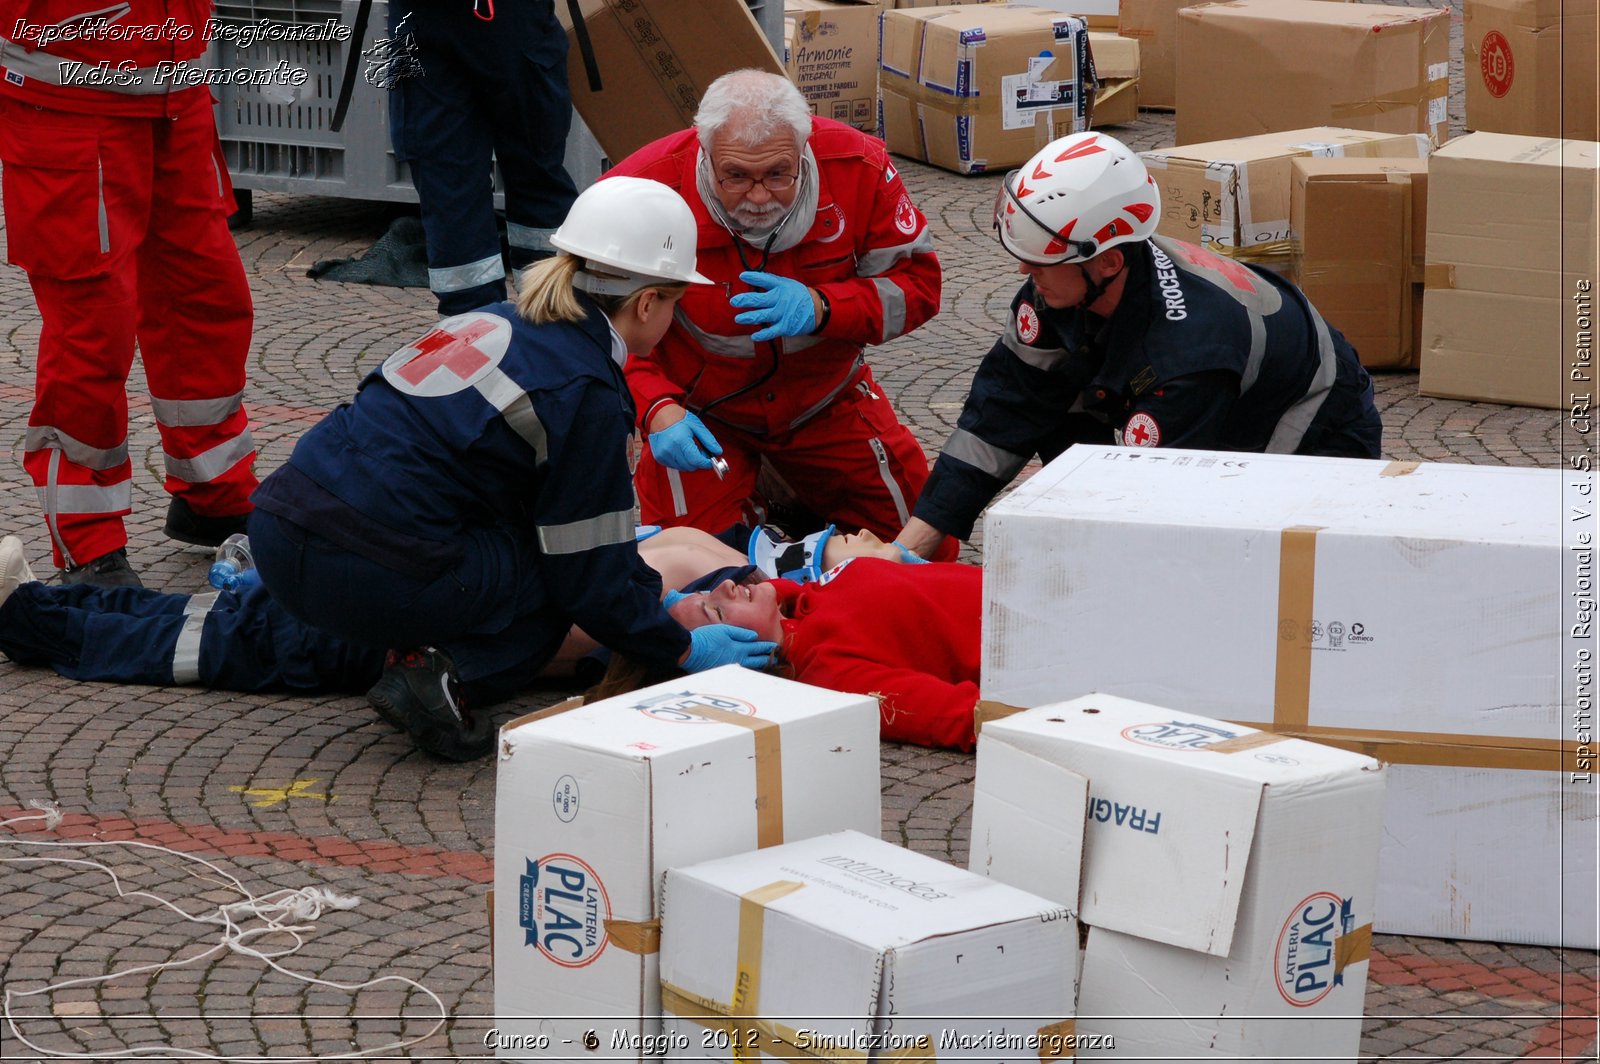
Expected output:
(292, 791)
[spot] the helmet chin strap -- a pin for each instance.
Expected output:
(1092, 289)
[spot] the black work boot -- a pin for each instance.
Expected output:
(186, 526)
(108, 570)
(419, 694)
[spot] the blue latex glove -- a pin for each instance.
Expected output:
(726, 644)
(909, 556)
(785, 308)
(672, 598)
(683, 445)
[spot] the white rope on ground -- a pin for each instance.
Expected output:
(285, 912)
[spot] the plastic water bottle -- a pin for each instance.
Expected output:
(235, 568)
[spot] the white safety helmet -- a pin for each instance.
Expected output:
(640, 229)
(1075, 198)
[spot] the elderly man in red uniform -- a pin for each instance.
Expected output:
(817, 251)
(116, 204)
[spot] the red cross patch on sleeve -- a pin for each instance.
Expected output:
(1141, 431)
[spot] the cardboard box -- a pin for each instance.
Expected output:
(1154, 24)
(594, 803)
(1116, 64)
(981, 87)
(847, 948)
(1511, 272)
(1260, 66)
(1410, 612)
(1530, 67)
(1274, 841)
(831, 52)
(1233, 196)
(656, 58)
(1359, 232)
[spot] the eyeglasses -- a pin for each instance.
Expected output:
(772, 183)
(1005, 197)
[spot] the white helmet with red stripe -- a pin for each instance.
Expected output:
(1075, 198)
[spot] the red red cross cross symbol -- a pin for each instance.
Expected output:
(1138, 433)
(453, 351)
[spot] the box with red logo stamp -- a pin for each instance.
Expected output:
(1530, 67)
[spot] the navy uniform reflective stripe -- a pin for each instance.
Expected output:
(508, 397)
(983, 455)
(1292, 426)
(1041, 358)
(575, 537)
(467, 275)
(186, 650)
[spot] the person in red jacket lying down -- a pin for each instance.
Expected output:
(907, 634)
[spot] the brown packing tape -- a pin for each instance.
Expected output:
(1400, 469)
(985, 711)
(1438, 275)
(1253, 741)
(1056, 1041)
(1378, 105)
(769, 768)
(754, 1034)
(1352, 948)
(641, 28)
(746, 997)
(1297, 567)
(1443, 749)
(1275, 251)
(635, 936)
(918, 93)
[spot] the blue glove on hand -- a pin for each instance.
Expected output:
(909, 556)
(672, 598)
(785, 308)
(683, 445)
(726, 644)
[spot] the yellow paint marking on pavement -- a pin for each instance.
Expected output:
(266, 797)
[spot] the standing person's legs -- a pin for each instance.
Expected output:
(446, 140)
(194, 330)
(523, 85)
(77, 195)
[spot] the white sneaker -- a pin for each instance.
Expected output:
(13, 567)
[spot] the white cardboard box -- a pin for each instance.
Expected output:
(594, 803)
(1412, 612)
(1227, 873)
(845, 947)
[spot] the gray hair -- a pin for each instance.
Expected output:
(749, 106)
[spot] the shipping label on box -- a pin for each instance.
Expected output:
(1406, 611)
(656, 59)
(1294, 63)
(1358, 227)
(979, 87)
(1530, 67)
(846, 948)
(594, 803)
(1233, 196)
(832, 56)
(1512, 237)
(1275, 841)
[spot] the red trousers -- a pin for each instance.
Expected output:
(121, 224)
(853, 464)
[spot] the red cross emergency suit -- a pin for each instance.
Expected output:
(808, 404)
(116, 205)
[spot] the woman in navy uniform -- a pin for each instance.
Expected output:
(474, 500)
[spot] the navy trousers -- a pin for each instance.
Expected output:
(221, 640)
(497, 86)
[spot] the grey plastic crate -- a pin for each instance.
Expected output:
(289, 147)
